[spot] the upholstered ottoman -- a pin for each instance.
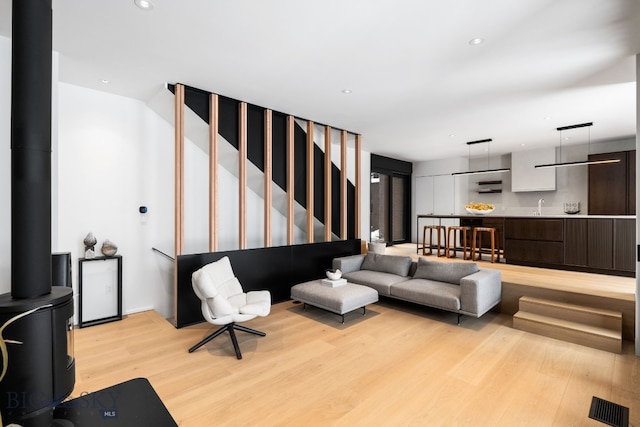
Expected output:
(339, 299)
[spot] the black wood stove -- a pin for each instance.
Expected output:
(41, 368)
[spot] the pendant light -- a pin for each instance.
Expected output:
(579, 162)
(487, 170)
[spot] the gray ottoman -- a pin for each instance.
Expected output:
(340, 300)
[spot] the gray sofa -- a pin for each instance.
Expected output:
(460, 287)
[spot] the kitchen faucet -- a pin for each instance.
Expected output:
(539, 211)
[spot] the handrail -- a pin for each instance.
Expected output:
(162, 253)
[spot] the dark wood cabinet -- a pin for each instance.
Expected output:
(604, 245)
(624, 243)
(575, 242)
(532, 241)
(612, 186)
(600, 243)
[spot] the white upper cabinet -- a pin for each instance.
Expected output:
(525, 177)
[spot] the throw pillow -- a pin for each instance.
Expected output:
(450, 272)
(393, 264)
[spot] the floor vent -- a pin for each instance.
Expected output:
(609, 413)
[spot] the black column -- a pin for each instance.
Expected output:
(31, 148)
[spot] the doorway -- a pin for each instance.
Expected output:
(390, 190)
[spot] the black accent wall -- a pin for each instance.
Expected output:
(275, 269)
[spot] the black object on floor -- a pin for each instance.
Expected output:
(133, 403)
(609, 413)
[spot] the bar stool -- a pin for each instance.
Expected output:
(458, 230)
(477, 244)
(437, 229)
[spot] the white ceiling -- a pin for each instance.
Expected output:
(416, 80)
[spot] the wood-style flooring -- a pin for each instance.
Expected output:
(586, 289)
(399, 365)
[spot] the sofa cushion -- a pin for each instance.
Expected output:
(393, 264)
(450, 272)
(377, 280)
(429, 292)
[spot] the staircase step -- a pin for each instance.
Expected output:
(570, 331)
(592, 316)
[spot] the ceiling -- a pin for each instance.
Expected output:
(420, 90)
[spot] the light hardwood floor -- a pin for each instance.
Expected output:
(586, 289)
(399, 365)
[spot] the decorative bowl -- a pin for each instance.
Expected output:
(334, 274)
(479, 211)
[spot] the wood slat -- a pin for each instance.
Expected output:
(343, 185)
(179, 170)
(328, 189)
(213, 172)
(290, 178)
(310, 183)
(242, 177)
(268, 175)
(178, 202)
(358, 201)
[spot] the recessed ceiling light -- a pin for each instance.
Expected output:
(347, 91)
(476, 41)
(105, 81)
(144, 4)
(547, 118)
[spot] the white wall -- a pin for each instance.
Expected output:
(113, 158)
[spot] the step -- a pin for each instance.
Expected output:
(599, 317)
(570, 331)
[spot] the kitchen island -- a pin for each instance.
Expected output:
(602, 244)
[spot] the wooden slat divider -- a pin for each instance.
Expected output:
(358, 195)
(327, 184)
(179, 170)
(343, 184)
(213, 172)
(242, 177)
(310, 183)
(290, 178)
(268, 174)
(178, 186)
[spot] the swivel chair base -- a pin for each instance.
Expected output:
(230, 328)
